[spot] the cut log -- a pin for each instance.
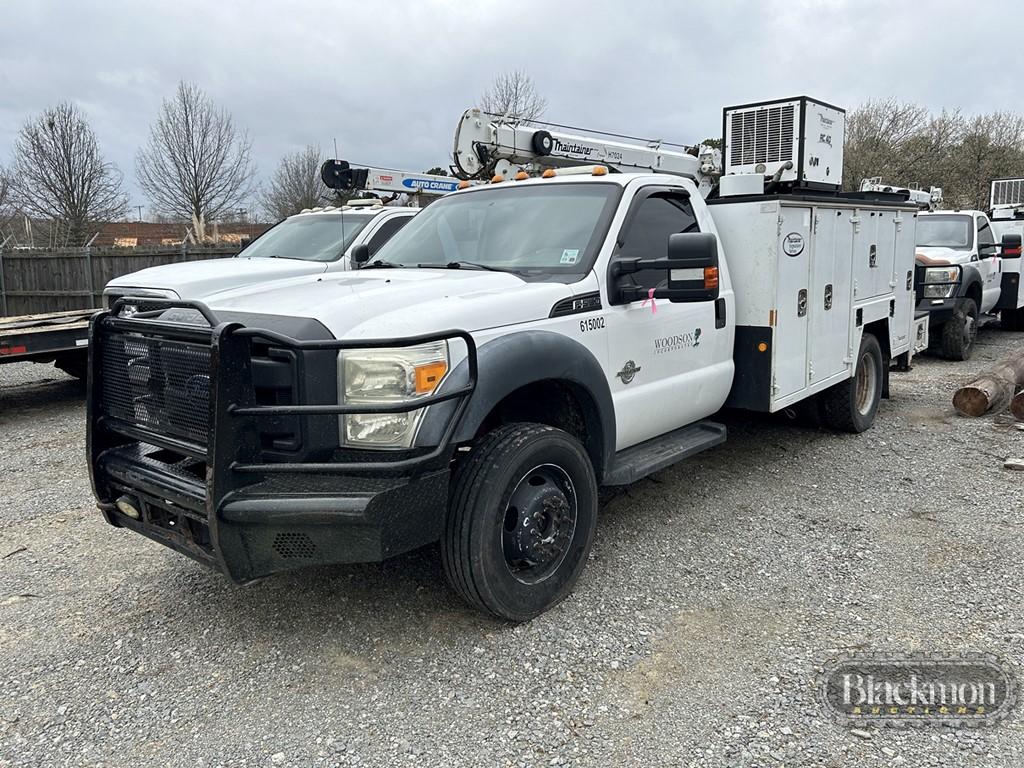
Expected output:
(1017, 406)
(993, 389)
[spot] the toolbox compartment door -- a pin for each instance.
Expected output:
(831, 294)
(790, 361)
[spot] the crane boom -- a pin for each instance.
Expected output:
(486, 145)
(340, 175)
(926, 199)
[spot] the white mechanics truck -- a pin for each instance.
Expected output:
(516, 345)
(1007, 215)
(959, 276)
(314, 242)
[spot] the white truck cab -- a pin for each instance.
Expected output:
(516, 345)
(959, 276)
(314, 242)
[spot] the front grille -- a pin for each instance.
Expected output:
(157, 383)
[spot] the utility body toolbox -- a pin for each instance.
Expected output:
(811, 272)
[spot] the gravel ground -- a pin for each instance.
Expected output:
(715, 591)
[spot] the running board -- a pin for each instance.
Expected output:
(648, 457)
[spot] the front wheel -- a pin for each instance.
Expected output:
(851, 405)
(960, 330)
(521, 518)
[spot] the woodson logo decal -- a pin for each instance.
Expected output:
(677, 341)
(896, 689)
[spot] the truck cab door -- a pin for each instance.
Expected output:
(669, 364)
(989, 265)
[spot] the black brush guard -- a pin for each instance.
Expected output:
(220, 500)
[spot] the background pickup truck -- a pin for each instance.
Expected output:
(959, 276)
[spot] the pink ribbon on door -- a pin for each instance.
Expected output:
(650, 298)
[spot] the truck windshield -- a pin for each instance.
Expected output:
(316, 237)
(953, 231)
(538, 232)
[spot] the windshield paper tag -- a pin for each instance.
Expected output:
(569, 255)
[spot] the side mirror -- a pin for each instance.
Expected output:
(1010, 247)
(360, 254)
(988, 249)
(691, 267)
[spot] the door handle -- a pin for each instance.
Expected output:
(801, 302)
(828, 297)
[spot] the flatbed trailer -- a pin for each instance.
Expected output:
(61, 337)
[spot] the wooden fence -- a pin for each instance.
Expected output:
(35, 282)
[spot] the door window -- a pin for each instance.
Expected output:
(985, 236)
(387, 229)
(657, 216)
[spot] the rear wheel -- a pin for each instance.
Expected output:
(521, 519)
(851, 406)
(960, 331)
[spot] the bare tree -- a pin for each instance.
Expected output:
(513, 95)
(6, 211)
(196, 164)
(992, 147)
(59, 174)
(295, 184)
(877, 133)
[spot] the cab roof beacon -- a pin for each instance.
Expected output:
(798, 142)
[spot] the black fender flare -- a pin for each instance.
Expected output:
(510, 362)
(970, 276)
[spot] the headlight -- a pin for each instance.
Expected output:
(388, 376)
(942, 275)
(941, 282)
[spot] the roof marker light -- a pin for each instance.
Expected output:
(521, 176)
(463, 184)
(548, 173)
(599, 170)
(497, 178)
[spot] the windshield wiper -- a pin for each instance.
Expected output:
(279, 256)
(461, 264)
(379, 264)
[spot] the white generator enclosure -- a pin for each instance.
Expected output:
(810, 275)
(1006, 193)
(796, 140)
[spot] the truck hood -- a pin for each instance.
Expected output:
(198, 279)
(391, 303)
(941, 255)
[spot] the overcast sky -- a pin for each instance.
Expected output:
(388, 80)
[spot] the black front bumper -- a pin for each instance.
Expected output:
(939, 310)
(238, 501)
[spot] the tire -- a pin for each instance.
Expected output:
(493, 553)
(1012, 319)
(851, 406)
(960, 330)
